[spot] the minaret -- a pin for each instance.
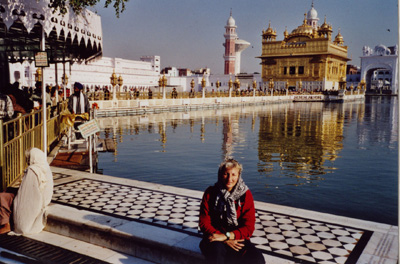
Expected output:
(230, 52)
(233, 48)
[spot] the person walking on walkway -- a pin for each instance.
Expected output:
(33, 197)
(227, 219)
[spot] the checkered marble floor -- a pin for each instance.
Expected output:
(298, 239)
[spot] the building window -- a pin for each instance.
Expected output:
(292, 70)
(301, 69)
(284, 70)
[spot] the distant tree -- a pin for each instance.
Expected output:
(77, 6)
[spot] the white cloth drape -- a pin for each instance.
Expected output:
(34, 195)
(81, 103)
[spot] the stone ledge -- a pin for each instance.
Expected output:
(141, 240)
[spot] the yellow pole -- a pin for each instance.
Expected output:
(2, 172)
(21, 143)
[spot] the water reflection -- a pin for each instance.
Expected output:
(297, 140)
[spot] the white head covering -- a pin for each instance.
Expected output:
(38, 163)
(34, 195)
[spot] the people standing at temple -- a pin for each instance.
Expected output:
(150, 94)
(36, 96)
(106, 94)
(54, 97)
(191, 93)
(6, 107)
(78, 103)
(174, 93)
(9, 91)
(48, 96)
(20, 98)
(33, 196)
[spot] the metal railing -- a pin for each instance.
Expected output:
(24, 132)
(156, 94)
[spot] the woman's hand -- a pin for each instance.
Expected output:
(235, 244)
(217, 237)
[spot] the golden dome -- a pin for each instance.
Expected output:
(325, 26)
(339, 39)
(286, 33)
(269, 30)
(303, 30)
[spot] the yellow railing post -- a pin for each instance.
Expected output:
(2, 170)
(21, 143)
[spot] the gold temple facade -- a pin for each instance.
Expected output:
(306, 59)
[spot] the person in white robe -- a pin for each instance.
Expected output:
(34, 195)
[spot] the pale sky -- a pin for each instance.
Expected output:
(189, 33)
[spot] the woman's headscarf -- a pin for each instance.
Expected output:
(38, 163)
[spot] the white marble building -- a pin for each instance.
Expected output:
(379, 69)
(143, 73)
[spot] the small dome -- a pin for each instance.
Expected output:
(285, 33)
(231, 22)
(312, 14)
(325, 27)
(269, 30)
(338, 39)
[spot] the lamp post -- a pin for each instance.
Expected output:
(237, 85)
(164, 83)
(362, 84)
(271, 86)
(120, 82)
(113, 81)
(218, 84)
(287, 87)
(64, 79)
(203, 85)
(38, 75)
(192, 86)
(230, 84)
(300, 85)
(160, 84)
(254, 87)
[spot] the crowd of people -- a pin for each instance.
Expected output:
(15, 99)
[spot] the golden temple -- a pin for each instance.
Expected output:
(307, 59)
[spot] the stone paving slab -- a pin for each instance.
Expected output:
(167, 217)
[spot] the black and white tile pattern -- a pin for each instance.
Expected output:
(298, 239)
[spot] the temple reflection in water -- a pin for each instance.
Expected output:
(297, 138)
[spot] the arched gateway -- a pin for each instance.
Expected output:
(379, 69)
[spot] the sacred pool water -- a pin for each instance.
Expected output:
(339, 158)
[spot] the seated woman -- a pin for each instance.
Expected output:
(227, 219)
(32, 199)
